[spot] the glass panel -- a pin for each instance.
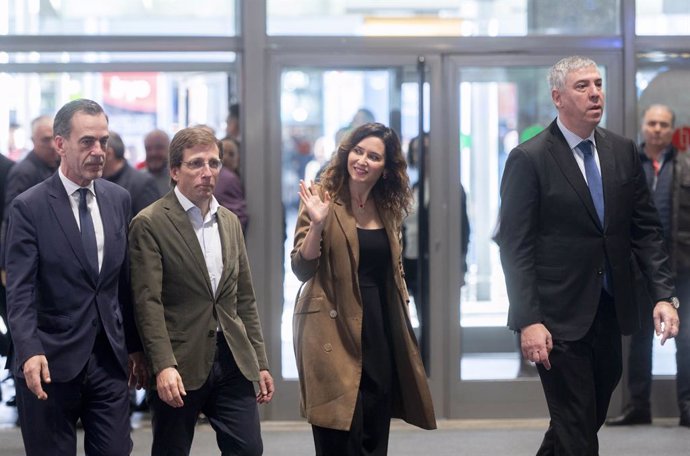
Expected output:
(117, 57)
(500, 107)
(122, 17)
(442, 17)
(662, 17)
(317, 107)
(136, 103)
(665, 79)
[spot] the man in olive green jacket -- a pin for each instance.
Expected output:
(195, 308)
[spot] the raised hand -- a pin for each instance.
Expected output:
(315, 206)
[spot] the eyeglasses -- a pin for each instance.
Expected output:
(196, 164)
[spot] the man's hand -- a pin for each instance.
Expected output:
(36, 370)
(138, 373)
(170, 388)
(666, 322)
(536, 344)
(266, 388)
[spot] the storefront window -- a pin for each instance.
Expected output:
(122, 17)
(442, 17)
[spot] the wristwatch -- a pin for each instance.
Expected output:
(673, 301)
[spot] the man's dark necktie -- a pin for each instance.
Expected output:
(593, 179)
(88, 233)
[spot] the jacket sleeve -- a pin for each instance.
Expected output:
(519, 215)
(147, 285)
(22, 273)
(125, 292)
(303, 269)
(647, 237)
(246, 302)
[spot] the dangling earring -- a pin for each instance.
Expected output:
(385, 174)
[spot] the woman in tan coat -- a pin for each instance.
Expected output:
(357, 356)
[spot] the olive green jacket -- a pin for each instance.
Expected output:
(327, 327)
(176, 312)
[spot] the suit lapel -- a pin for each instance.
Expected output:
(226, 243)
(348, 225)
(181, 223)
(561, 152)
(62, 209)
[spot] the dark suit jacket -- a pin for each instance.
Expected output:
(141, 186)
(24, 175)
(5, 166)
(53, 299)
(553, 248)
(177, 312)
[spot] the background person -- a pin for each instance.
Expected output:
(357, 358)
(574, 210)
(229, 191)
(141, 186)
(667, 174)
(156, 145)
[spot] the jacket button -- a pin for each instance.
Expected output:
(211, 333)
(600, 272)
(333, 313)
(327, 347)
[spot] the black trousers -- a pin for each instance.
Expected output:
(227, 399)
(368, 434)
(98, 395)
(579, 385)
(640, 356)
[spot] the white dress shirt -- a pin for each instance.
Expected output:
(72, 190)
(207, 234)
(573, 141)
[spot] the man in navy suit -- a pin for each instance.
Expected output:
(575, 209)
(69, 298)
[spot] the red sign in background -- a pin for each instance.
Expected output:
(681, 138)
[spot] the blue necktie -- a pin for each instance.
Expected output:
(88, 233)
(593, 179)
(597, 192)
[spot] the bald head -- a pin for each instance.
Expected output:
(44, 142)
(156, 144)
(658, 122)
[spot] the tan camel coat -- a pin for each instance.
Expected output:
(327, 327)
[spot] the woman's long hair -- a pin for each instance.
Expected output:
(392, 191)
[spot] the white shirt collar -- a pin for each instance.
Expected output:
(71, 187)
(573, 139)
(187, 205)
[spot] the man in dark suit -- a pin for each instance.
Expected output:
(69, 298)
(140, 185)
(195, 308)
(575, 209)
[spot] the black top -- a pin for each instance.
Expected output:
(374, 257)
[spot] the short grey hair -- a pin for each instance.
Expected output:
(563, 67)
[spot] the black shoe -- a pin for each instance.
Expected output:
(631, 416)
(684, 419)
